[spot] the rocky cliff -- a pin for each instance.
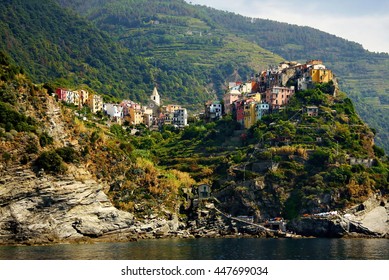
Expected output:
(44, 209)
(368, 219)
(41, 209)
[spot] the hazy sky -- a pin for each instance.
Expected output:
(362, 21)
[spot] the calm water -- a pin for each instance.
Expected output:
(209, 249)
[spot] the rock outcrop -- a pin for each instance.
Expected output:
(42, 209)
(368, 219)
(46, 209)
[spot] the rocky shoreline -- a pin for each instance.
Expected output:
(36, 210)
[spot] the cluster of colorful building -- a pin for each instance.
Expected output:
(269, 92)
(247, 102)
(153, 114)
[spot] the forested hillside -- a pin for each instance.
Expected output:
(54, 45)
(125, 47)
(179, 54)
(361, 73)
(190, 52)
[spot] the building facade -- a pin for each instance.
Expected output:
(95, 103)
(278, 97)
(180, 117)
(213, 110)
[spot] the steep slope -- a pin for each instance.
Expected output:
(193, 56)
(52, 44)
(288, 164)
(56, 170)
(38, 207)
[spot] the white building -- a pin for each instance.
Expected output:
(70, 97)
(113, 110)
(180, 117)
(213, 110)
(261, 109)
(155, 97)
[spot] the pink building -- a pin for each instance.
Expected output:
(228, 99)
(127, 105)
(278, 97)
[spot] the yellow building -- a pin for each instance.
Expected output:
(84, 96)
(77, 99)
(135, 116)
(256, 96)
(80, 98)
(171, 108)
(250, 115)
(321, 75)
(95, 103)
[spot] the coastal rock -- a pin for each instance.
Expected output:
(47, 209)
(373, 215)
(368, 219)
(318, 227)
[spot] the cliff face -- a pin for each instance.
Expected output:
(368, 219)
(45, 209)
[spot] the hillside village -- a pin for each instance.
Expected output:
(269, 92)
(247, 102)
(151, 115)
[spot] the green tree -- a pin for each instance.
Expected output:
(319, 158)
(68, 154)
(50, 161)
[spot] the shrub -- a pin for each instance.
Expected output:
(6, 156)
(68, 154)
(32, 148)
(126, 147)
(94, 137)
(14, 120)
(378, 151)
(319, 157)
(192, 132)
(9, 136)
(146, 143)
(45, 139)
(117, 130)
(51, 162)
(8, 95)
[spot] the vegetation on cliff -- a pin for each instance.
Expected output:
(288, 164)
(38, 132)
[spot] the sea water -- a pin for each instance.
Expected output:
(208, 249)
